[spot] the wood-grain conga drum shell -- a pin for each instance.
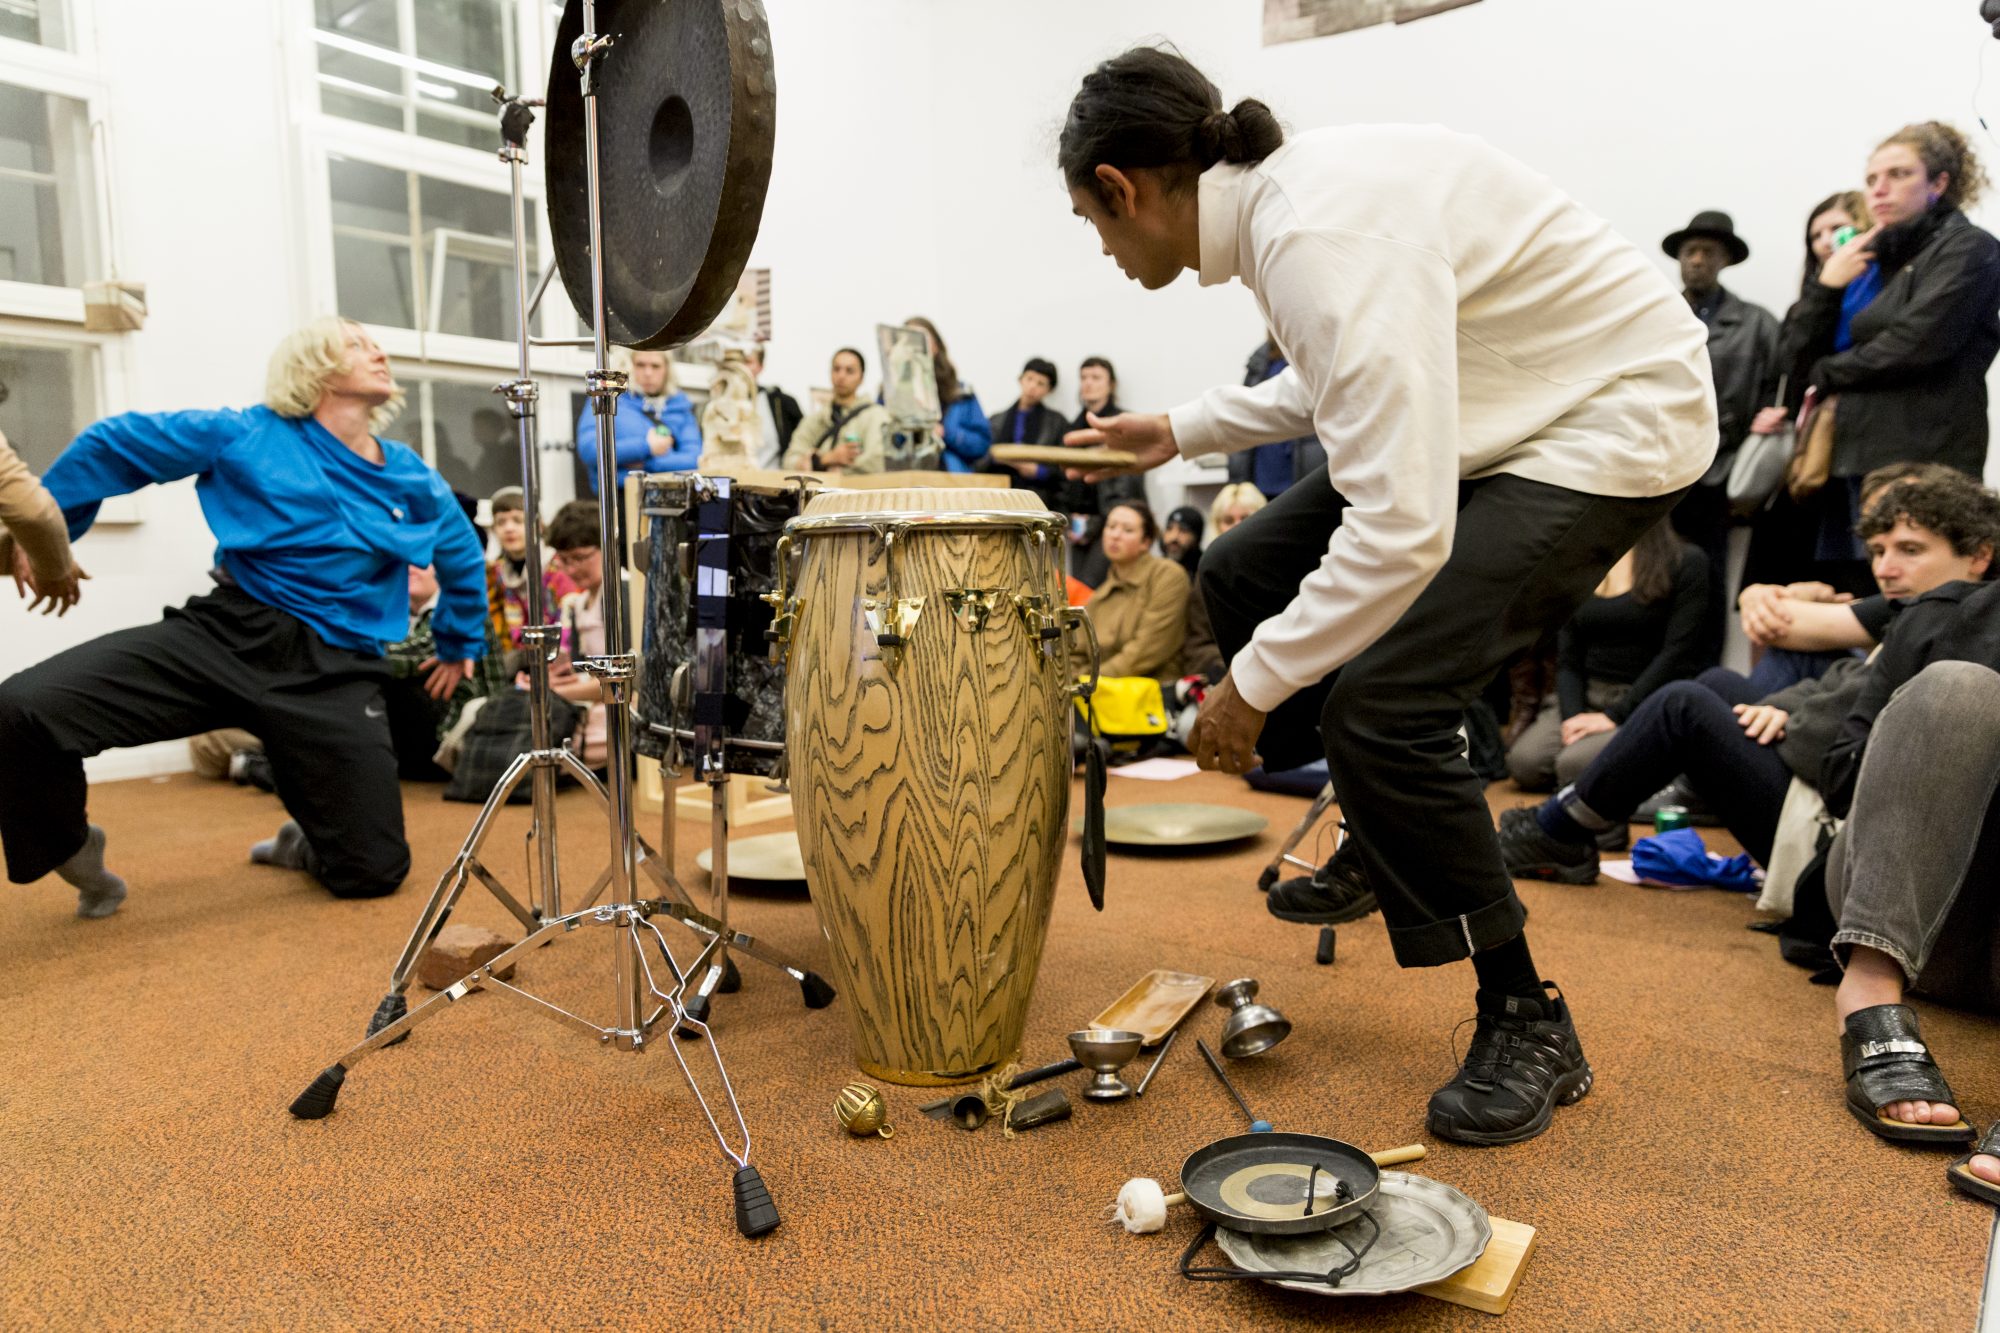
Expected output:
(930, 776)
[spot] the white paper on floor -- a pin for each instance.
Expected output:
(1159, 770)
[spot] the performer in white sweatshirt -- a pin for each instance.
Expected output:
(1508, 393)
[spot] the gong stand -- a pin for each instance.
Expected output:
(630, 917)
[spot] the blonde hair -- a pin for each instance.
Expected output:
(305, 360)
(1942, 149)
(621, 361)
(1237, 495)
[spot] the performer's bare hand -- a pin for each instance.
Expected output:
(1226, 731)
(442, 678)
(1148, 436)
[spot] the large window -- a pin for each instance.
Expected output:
(423, 67)
(48, 392)
(47, 230)
(43, 22)
(463, 429)
(414, 252)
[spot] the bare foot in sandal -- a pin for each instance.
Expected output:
(1986, 1167)
(1893, 1084)
(1922, 1113)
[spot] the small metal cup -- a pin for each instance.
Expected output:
(1105, 1051)
(1251, 1028)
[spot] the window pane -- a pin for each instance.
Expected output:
(472, 231)
(477, 448)
(462, 48)
(50, 395)
(46, 223)
(38, 21)
(374, 277)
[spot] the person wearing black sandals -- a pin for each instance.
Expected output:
(1497, 435)
(1913, 878)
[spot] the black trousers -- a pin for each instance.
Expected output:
(223, 660)
(1525, 557)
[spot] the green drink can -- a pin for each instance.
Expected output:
(1670, 817)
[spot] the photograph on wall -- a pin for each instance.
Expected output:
(1299, 20)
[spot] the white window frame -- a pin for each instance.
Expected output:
(72, 74)
(110, 382)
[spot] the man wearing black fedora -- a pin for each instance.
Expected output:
(1743, 353)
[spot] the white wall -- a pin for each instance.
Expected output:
(1646, 113)
(914, 174)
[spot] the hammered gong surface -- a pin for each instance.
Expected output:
(687, 117)
(1257, 1182)
(930, 794)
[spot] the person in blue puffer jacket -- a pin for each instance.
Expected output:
(968, 437)
(317, 521)
(656, 426)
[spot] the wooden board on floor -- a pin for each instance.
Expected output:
(1489, 1284)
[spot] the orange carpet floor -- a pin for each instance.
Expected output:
(499, 1171)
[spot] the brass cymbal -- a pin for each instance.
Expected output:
(770, 857)
(1177, 825)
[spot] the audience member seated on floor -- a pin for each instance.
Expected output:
(1031, 419)
(966, 436)
(1180, 537)
(1913, 877)
(655, 425)
(419, 717)
(575, 537)
(1140, 609)
(849, 434)
(507, 576)
(34, 543)
(1644, 627)
(317, 521)
(1741, 757)
(1803, 628)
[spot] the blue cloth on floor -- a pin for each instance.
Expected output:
(1305, 781)
(1681, 858)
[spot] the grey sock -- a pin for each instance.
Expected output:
(288, 849)
(99, 893)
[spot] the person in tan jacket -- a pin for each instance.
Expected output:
(1140, 610)
(34, 541)
(848, 435)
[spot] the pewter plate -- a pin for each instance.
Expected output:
(1429, 1232)
(771, 857)
(1175, 825)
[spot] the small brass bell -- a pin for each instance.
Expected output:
(861, 1111)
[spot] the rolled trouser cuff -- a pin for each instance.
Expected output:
(1845, 940)
(1435, 943)
(1576, 808)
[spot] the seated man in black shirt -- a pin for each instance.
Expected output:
(1740, 756)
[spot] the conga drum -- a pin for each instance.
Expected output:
(927, 723)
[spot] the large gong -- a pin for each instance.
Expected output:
(686, 116)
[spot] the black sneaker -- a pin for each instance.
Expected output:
(1532, 854)
(1524, 1061)
(1679, 792)
(1617, 838)
(1338, 891)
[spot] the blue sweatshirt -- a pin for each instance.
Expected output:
(301, 522)
(633, 424)
(968, 436)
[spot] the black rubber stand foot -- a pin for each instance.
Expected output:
(316, 1102)
(818, 994)
(697, 1009)
(1325, 955)
(392, 1008)
(756, 1214)
(732, 979)
(1267, 879)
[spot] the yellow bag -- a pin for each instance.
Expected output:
(1126, 708)
(1812, 456)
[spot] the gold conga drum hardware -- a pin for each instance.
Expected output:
(927, 710)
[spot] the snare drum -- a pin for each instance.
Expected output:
(753, 709)
(928, 725)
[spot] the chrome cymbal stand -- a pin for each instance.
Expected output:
(629, 916)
